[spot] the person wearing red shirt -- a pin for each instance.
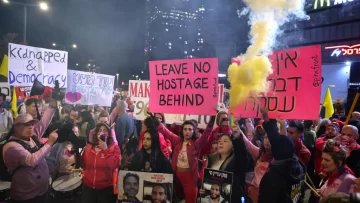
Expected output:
(347, 139)
(100, 162)
(295, 131)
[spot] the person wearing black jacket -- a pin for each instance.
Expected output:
(150, 158)
(283, 181)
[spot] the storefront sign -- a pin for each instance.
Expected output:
(344, 50)
(319, 4)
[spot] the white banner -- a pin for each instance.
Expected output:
(29, 63)
(5, 89)
(89, 88)
(139, 91)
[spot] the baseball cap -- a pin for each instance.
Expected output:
(24, 119)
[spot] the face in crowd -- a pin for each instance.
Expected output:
(75, 130)
(159, 117)
(31, 109)
(131, 187)
(104, 119)
(158, 194)
(331, 131)
(147, 141)
(225, 145)
(188, 131)
(293, 133)
(74, 115)
(215, 191)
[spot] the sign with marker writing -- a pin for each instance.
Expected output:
(26, 64)
(5, 89)
(184, 86)
(89, 88)
(295, 86)
(139, 92)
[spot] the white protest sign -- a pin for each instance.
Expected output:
(5, 89)
(26, 64)
(139, 91)
(89, 88)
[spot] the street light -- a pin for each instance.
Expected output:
(77, 64)
(54, 45)
(64, 46)
(42, 5)
(117, 79)
(142, 72)
(74, 46)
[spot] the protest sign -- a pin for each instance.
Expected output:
(139, 92)
(5, 89)
(23, 92)
(89, 88)
(26, 64)
(217, 186)
(184, 86)
(295, 86)
(136, 187)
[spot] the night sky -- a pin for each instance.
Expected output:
(111, 32)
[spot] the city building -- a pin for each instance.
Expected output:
(335, 25)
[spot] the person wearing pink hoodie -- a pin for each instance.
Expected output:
(29, 170)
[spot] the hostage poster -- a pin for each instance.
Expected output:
(216, 187)
(136, 187)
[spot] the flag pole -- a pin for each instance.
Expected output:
(353, 106)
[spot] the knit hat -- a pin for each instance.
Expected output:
(282, 148)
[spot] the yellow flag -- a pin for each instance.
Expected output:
(4, 66)
(14, 103)
(328, 104)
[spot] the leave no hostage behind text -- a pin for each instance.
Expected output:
(180, 81)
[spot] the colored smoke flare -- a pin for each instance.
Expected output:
(249, 76)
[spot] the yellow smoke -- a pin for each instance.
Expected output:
(250, 77)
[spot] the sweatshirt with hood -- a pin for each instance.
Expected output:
(283, 182)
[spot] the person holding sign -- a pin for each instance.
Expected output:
(185, 155)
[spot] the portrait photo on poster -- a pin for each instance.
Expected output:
(216, 187)
(137, 187)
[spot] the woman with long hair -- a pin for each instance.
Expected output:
(100, 161)
(231, 157)
(340, 177)
(187, 147)
(262, 157)
(148, 124)
(150, 158)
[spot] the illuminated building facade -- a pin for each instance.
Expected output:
(335, 25)
(178, 29)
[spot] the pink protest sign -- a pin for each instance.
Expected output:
(295, 86)
(186, 86)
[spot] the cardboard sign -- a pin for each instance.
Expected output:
(216, 183)
(136, 187)
(89, 88)
(187, 86)
(139, 92)
(26, 64)
(295, 86)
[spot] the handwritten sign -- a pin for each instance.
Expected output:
(217, 184)
(148, 187)
(295, 86)
(89, 88)
(26, 64)
(139, 92)
(5, 89)
(184, 86)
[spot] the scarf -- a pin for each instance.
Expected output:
(334, 176)
(348, 144)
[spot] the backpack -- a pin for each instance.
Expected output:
(4, 173)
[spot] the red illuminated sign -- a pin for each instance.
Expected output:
(345, 50)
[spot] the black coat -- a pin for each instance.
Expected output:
(158, 162)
